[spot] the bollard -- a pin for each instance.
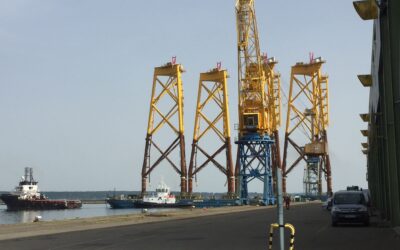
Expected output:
(292, 231)
(292, 234)
(37, 218)
(271, 234)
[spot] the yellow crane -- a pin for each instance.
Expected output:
(253, 105)
(259, 110)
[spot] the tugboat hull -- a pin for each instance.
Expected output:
(143, 204)
(204, 203)
(14, 203)
(118, 203)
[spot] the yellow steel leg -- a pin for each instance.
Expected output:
(167, 84)
(212, 89)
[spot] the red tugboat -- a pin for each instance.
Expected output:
(27, 197)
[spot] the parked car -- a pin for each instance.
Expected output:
(349, 206)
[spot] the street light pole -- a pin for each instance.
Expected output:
(280, 209)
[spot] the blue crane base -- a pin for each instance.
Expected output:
(255, 163)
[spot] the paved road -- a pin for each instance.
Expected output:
(245, 230)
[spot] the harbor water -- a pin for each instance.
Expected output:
(87, 211)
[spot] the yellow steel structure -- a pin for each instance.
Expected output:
(366, 80)
(309, 88)
(167, 84)
(213, 89)
(259, 107)
(273, 95)
(365, 117)
(253, 98)
(367, 9)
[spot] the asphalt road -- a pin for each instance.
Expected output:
(244, 230)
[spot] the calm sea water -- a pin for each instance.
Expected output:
(87, 210)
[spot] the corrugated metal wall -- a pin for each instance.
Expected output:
(384, 107)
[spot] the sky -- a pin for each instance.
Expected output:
(76, 76)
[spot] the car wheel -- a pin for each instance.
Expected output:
(366, 223)
(334, 223)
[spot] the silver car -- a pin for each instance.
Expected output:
(349, 207)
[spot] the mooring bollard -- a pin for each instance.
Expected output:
(37, 218)
(292, 234)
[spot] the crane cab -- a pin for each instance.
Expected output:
(251, 122)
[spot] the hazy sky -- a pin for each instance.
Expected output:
(75, 81)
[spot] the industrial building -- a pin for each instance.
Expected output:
(383, 134)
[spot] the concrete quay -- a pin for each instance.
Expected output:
(218, 228)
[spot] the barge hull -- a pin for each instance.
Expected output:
(15, 204)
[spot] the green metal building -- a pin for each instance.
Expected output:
(383, 134)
